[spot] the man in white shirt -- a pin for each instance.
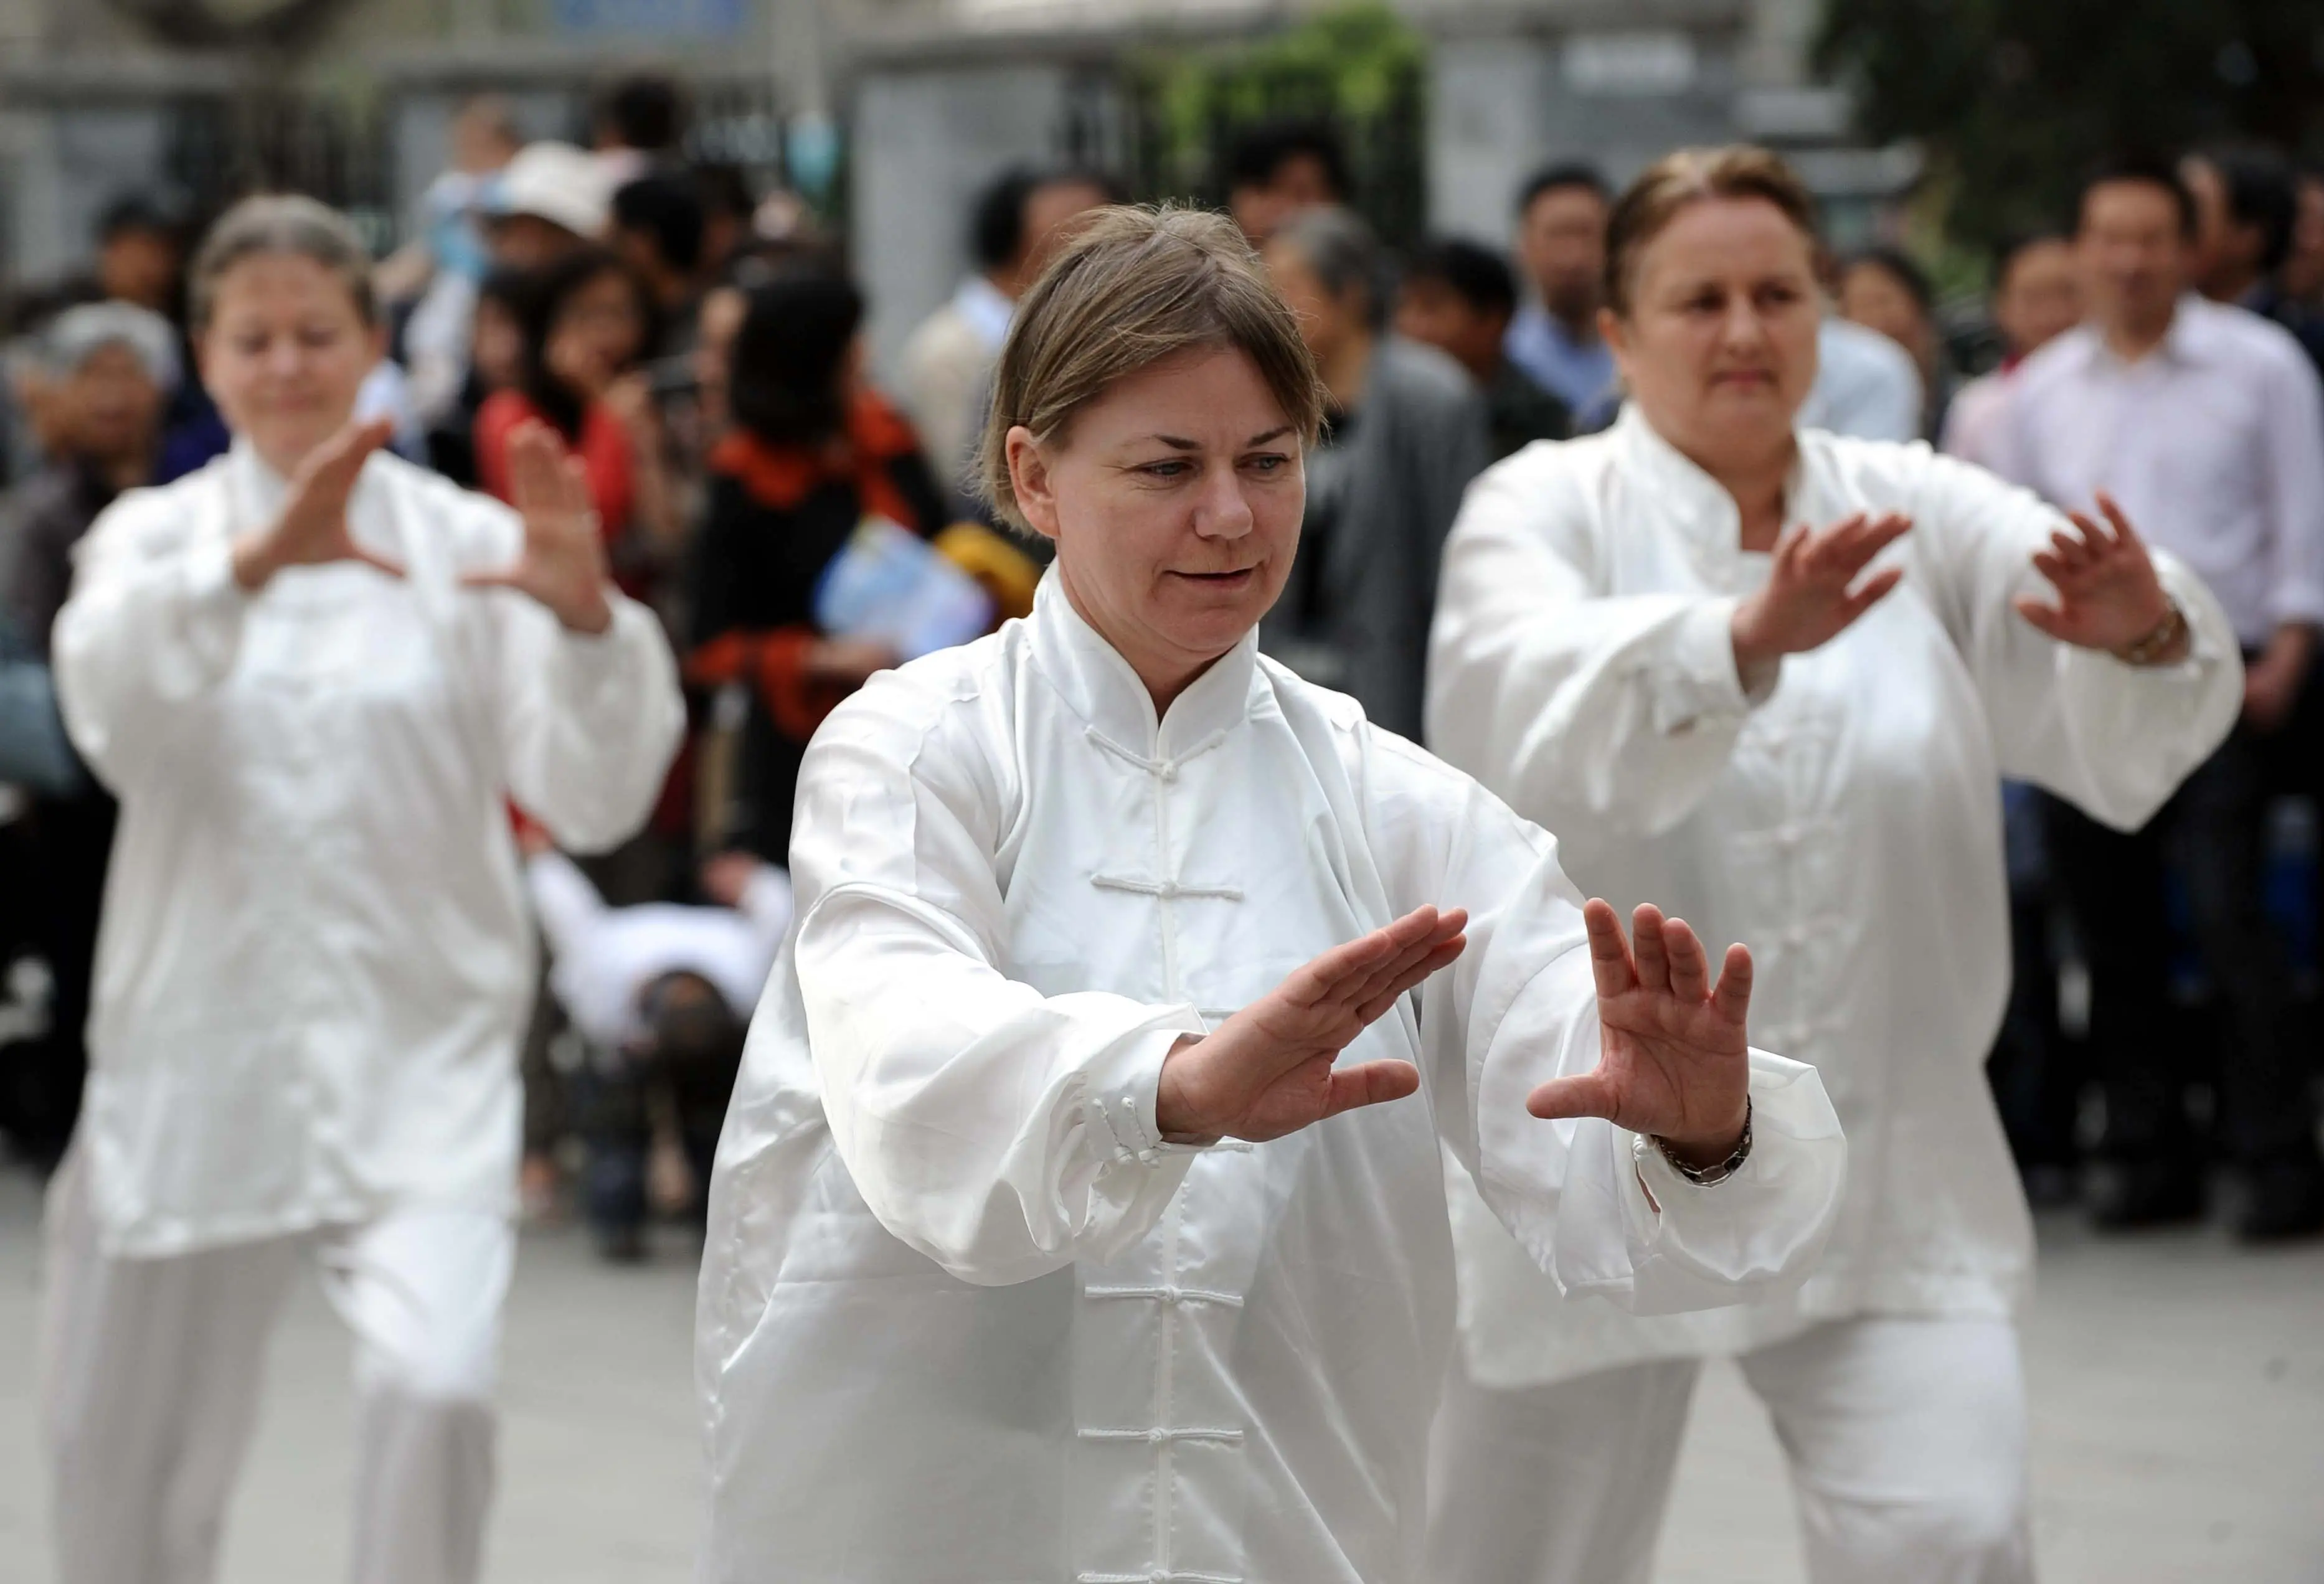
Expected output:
(2207, 424)
(948, 363)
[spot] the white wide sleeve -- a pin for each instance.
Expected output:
(588, 725)
(2112, 739)
(1519, 1008)
(155, 620)
(1002, 1133)
(1611, 714)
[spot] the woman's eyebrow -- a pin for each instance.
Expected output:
(1178, 443)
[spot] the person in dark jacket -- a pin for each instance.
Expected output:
(1460, 298)
(813, 452)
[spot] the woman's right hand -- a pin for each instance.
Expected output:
(1268, 1070)
(1807, 602)
(311, 529)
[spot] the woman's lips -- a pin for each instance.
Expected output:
(1221, 580)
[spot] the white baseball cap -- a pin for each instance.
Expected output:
(557, 182)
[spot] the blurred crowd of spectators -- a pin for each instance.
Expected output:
(698, 345)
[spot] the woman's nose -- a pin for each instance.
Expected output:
(1222, 512)
(1743, 327)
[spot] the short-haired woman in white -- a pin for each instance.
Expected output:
(1052, 1238)
(315, 676)
(1773, 676)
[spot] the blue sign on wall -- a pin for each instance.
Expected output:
(686, 19)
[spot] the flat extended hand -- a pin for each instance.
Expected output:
(563, 562)
(311, 529)
(2108, 594)
(1675, 1061)
(1268, 1070)
(1809, 600)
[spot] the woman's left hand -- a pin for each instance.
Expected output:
(2108, 594)
(563, 562)
(1675, 1061)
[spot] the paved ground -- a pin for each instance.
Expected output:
(2178, 1400)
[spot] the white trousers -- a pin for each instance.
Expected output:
(1906, 1440)
(150, 1374)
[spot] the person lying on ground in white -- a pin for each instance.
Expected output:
(313, 674)
(1775, 676)
(1052, 1235)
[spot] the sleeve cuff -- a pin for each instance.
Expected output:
(1698, 681)
(1123, 1086)
(598, 661)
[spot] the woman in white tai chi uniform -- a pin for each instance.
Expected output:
(1048, 1243)
(1773, 677)
(314, 674)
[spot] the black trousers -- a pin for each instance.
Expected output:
(2214, 829)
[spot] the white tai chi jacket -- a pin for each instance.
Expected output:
(316, 961)
(965, 1316)
(1847, 826)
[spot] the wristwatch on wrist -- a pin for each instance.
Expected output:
(1702, 1176)
(2149, 649)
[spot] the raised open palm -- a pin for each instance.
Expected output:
(1675, 1063)
(311, 527)
(1269, 1069)
(2108, 594)
(563, 562)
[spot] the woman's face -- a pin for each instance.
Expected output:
(1719, 344)
(1877, 300)
(597, 333)
(1174, 501)
(284, 353)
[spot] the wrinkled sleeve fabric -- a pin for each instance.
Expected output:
(2112, 739)
(155, 619)
(587, 724)
(1614, 712)
(1520, 1008)
(1000, 1131)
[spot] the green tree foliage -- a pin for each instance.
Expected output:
(2015, 99)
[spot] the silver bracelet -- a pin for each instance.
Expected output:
(1702, 1176)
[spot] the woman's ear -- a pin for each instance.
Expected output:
(1615, 332)
(1030, 482)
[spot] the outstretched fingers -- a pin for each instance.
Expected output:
(1344, 970)
(1731, 997)
(1581, 1094)
(1647, 949)
(1689, 968)
(1375, 1006)
(1616, 972)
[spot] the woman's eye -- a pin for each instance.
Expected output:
(1270, 463)
(1166, 469)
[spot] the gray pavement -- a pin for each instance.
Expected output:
(2178, 1388)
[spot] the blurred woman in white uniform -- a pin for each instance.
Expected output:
(1773, 676)
(314, 675)
(1047, 1240)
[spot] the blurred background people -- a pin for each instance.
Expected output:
(436, 275)
(945, 374)
(2246, 216)
(1279, 169)
(551, 199)
(1405, 429)
(1883, 289)
(638, 125)
(1460, 298)
(109, 371)
(662, 993)
(1554, 336)
(2036, 298)
(812, 452)
(2207, 424)
(585, 324)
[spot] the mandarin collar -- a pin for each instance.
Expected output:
(1099, 685)
(1697, 504)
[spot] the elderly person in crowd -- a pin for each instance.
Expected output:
(1774, 675)
(1051, 1236)
(313, 674)
(1404, 430)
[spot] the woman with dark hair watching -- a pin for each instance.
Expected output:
(585, 323)
(813, 452)
(1883, 288)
